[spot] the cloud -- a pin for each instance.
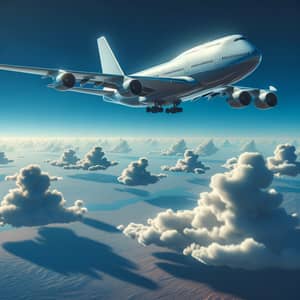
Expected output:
(32, 203)
(152, 142)
(53, 147)
(93, 160)
(6, 147)
(249, 147)
(3, 159)
(206, 149)
(226, 144)
(284, 161)
(136, 174)
(230, 163)
(121, 147)
(240, 223)
(189, 164)
(68, 158)
(176, 149)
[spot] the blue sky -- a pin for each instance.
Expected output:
(62, 34)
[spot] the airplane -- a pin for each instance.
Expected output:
(205, 71)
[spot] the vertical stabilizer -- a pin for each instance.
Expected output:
(109, 63)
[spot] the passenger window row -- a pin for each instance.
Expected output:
(235, 55)
(202, 63)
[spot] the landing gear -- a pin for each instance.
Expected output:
(175, 109)
(154, 109)
(157, 108)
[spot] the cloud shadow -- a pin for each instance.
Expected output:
(260, 284)
(95, 177)
(100, 225)
(133, 191)
(62, 251)
(199, 181)
(174, 202)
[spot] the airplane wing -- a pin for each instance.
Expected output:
(151, 85)
(107, 80)
(226, 91)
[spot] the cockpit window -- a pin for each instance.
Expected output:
(240, 39)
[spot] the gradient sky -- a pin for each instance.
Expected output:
(62, 34)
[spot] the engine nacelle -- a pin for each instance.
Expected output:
(239, 99)
(64, 81)
(265, 100)
(131, 87)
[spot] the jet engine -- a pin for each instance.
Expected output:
(131, 87)
(265, 100)
(239, 99)
(64, 81)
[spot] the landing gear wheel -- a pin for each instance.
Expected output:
(174, 109)
(154, 109)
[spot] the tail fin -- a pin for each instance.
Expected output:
(109, 63)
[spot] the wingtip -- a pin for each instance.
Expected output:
(101, 38)
(273, 88)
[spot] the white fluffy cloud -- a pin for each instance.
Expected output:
(3, 159)
(93, 160)
(189, 164)
(176, 149)
(67, 158)
(284, 161)
(136, 174)
(230, 163)
(206, 149)
(122, 147)
(240, 223)
(32, 203)
(249, 147)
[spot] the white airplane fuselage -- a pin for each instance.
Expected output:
(215, 64)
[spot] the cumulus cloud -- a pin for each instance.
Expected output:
(176, 149)
(3, 159)
(226, 144)
(152, 142)
(93, 160)
(206, 149)
(189, 164)
(249, 147)
(52, 147)
(284, 161)
(136, 174)
(121, 147)
(67, 158)
(230, 163)
(32, 203)
(240, 223)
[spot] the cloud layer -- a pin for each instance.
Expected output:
(32, 203)
(3, 159)
(206, 149)
(176, 149)
(240, 223)
(189, 164)
(136, 174)
(284, 161)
